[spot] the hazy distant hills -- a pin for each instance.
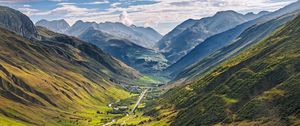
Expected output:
(141, 58)
(131, 44)
(151, 37)
(146, 37)
(60, 26)
(215, 42)
(190, 33)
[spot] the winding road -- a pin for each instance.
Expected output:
(142, 95)
(139, 100)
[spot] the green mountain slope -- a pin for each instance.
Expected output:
(58, 80)
(260, 86)
(249, 37)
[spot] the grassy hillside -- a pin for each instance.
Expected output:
(260, 86)
(59, 80)
(249, 37)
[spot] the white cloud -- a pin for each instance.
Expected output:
(98, 2)
(163, 15)
(16, 1)
(58, 0)
(123, 18)
(28, 11)
(27, 5)
(176, 11)
(115, 5)
(64, 3)
(68, 10)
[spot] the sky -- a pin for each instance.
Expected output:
(162, 15)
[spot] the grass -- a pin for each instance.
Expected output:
(5, 121)
(43, 84)
(227, 99)
(258, 86)
(146, 81)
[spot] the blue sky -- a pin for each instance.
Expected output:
(162, 15)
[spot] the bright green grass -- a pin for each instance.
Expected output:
(5, 121)
(146, 80)
(228, 100)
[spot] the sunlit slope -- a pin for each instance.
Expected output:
(249, 37)
(259, 86)
(57, 81)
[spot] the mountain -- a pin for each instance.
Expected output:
(56, 79)
(17, 22)
(220, 40)
(59, 26)
(190, 33)
(143, 59)
(249, 37)
(146, 37)
(252, 16)
(259, 86)
(149, 33)
(80, 27)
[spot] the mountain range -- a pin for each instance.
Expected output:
(131, 44)
(247, 38)
(215, 42)
(190, 33)
(143, 59)
(230, 69)
(60, 26)
(146, 37)
(54, 79)
(259, 86)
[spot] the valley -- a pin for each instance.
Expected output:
(228, 68)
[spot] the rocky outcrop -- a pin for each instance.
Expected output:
(15, 21)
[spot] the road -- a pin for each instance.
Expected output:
(142, 95)
(139, 100)
(107, 124)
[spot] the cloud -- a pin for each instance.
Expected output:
(58, 0)
(98, 2)
(28, 11)
(63, 3)
(160, 14)
(183, 3)
(115, 5)
(176, 11)
(123, 18)
(68, 10)
(17, 1)
(27, 5)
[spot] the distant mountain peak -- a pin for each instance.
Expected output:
(264, 12)
(59, 20)
(227, 12)
(190, 33)
(146, 37)
(78, 22)
(250, 13)
(59, 26)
